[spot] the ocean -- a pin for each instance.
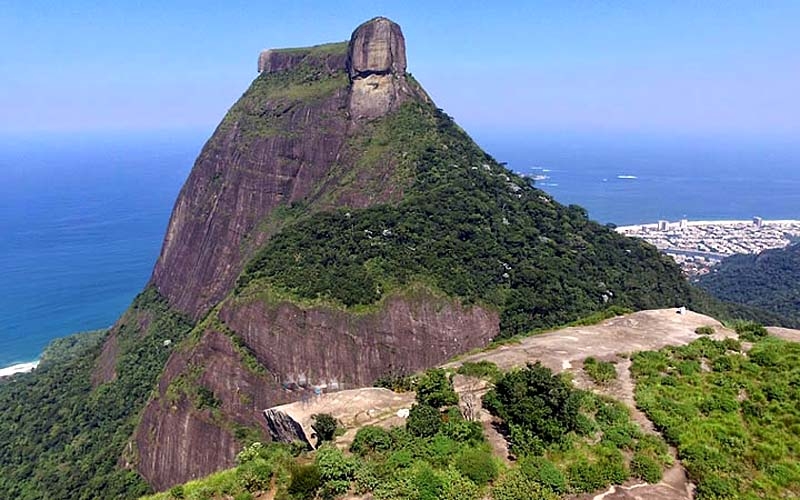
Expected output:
(81, 223)
(82, 217)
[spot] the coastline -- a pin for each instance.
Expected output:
(18, 368)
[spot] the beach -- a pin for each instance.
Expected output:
(19, 368)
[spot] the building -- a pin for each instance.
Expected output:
(663, 225)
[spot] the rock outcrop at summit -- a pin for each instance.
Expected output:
(376, 63)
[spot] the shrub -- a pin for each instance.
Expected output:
(333, 465)
(515, 485)
(646, 468)
(177, 492)
(544, 472)
(250, 453)
(585, 477)
(371, 439)
(457, 487)
(423, 421)
(397, 382)
(324, 426)
(477, 464)
(714, 487)
(537, 401)
(254, 475)
(704, 330)
(427, 483)
(434, 388)
(482, 369)
(601, 372)
(305, 481)
(333, 489)
(750, 331)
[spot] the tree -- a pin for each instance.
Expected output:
(434, 388)
(423, 421)
(324, 426)
(535, 401)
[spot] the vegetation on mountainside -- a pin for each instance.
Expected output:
(471, 228)
(770, 281)
(62, 439)
(601, 372)
(441, 455)
(734, 416)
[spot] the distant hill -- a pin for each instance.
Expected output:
(769, 281)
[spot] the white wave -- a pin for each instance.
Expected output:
(20, 368)
(627, 177)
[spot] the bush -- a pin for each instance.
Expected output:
(333, 465)
(397, 382)
(585, 477)
(714, 487)
(423, 421)
(305, 481)
(463, 431)
(704, 330)
(324, 426)
(477, 464)
(427, 483)
(747, 330)
(177, 492)
(250, 453)
(457, 487)
(434, 388)
(601, 372)
(482, 369)
(544, 472)
(515, 485)
(646, 468)
(333, 489)
(254, 475)
(538, 402)
(371, 439)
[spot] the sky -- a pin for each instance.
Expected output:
(698, 68)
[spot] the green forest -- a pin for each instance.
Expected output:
(61, 438)
(769, 281)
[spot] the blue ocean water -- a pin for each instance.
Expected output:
(82, 218)
(81, 223)
(670, 179)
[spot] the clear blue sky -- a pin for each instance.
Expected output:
(671, 67)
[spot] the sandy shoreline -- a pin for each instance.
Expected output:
(20, 368)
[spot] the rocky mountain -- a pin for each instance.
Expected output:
(336, 227)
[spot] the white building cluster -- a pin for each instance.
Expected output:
(698, 245)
